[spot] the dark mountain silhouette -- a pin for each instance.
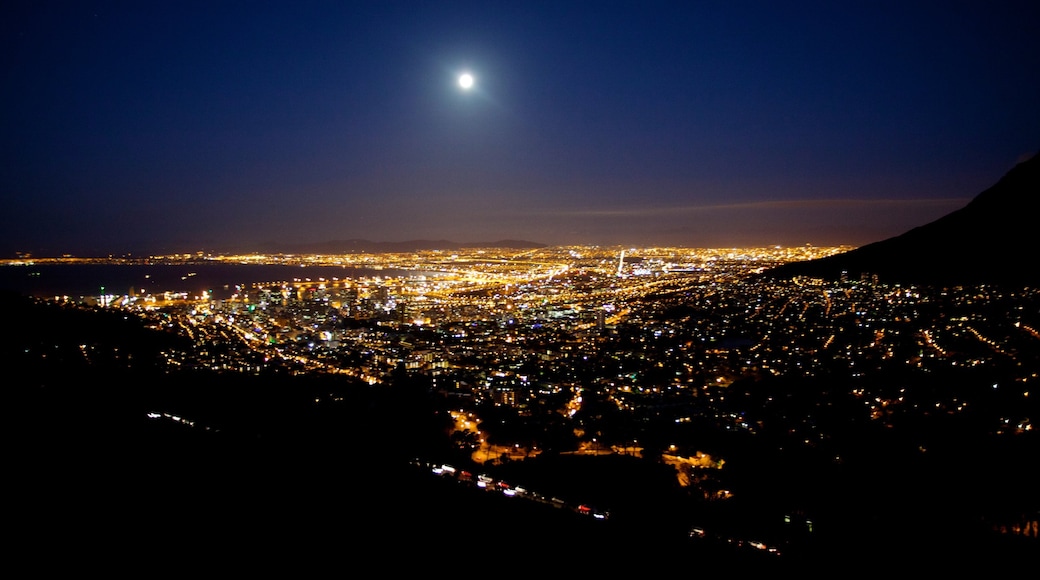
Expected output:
(352, 246)
(991, 240)
(348, 246)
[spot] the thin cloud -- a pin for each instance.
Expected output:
(771, 205)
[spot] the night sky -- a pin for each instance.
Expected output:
(181, 126)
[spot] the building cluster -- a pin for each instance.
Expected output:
(640, 337)
(698, 358)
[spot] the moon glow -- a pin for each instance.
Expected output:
(466, 81)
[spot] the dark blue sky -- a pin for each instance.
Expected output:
(181, 125)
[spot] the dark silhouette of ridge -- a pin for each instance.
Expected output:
(992, 240)
(369, 246)
(331, 247)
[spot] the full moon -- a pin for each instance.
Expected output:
(466, 81)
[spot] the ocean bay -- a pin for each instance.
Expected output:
(218, 279)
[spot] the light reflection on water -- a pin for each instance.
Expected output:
(83, 280)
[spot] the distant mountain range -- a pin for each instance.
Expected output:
(367, 246)
(994, 239)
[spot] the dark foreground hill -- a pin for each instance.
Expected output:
(993, 239)
(115, 464)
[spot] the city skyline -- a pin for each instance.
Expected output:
(185, 127)
(697, 411)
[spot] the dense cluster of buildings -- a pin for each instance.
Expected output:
(656, 332)
(647, 352)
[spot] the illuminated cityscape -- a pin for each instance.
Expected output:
(521, 289)
(627, 352)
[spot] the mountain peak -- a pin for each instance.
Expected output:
(992, 239)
